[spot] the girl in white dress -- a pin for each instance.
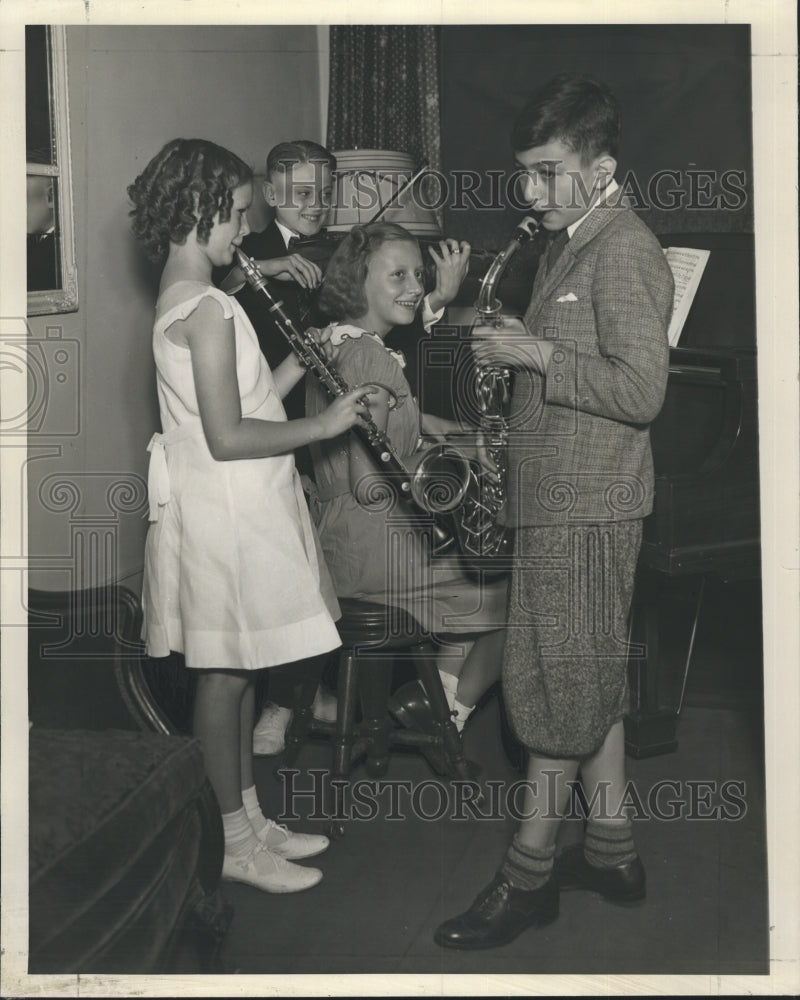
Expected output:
(234, 577)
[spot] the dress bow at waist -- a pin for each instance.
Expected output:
(158, 485)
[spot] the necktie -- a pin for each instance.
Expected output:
(558, 244)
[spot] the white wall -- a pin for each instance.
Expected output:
(131, 90)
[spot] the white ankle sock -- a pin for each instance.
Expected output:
(240, 839)
(259, 821)
(253, 809)
(461, 713)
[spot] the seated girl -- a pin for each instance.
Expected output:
(374, 283)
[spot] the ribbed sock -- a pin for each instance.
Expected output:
(527, 867)
(609, 845)
(240, 840)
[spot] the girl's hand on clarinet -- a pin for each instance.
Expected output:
(323, 339)
(452, 265)
(345, 411)
(293, 267)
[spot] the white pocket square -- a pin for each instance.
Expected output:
(569, 297)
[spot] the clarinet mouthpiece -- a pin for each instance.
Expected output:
(251, 270)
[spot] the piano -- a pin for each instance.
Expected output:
(705, 520)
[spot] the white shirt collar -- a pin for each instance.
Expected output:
(286, 233)
(610, 188)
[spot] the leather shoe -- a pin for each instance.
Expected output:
(499, 915)
(623, 884)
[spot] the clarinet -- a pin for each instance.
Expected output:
(404, 483)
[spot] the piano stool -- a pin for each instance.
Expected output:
(373, 637)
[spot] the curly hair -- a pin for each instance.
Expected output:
(185, 185)
(342, 293)
(577, 110)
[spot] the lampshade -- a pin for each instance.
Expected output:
(368, 179)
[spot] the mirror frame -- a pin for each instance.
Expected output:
(65, 298)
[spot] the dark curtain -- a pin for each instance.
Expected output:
(685, 96)
(384, 90)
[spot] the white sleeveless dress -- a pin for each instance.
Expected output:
(234, 574)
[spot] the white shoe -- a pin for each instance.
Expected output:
(292, 846)
(263, 869)
(324, 706)
(268, 736)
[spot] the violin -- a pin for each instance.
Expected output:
(517, 279)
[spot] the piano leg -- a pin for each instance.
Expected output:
(652, 718)
(693, 636)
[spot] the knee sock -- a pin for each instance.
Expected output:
(609, 845)
(240, 840)
(527, 867)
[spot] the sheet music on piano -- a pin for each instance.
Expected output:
(687, 265)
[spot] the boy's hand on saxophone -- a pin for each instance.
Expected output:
(510, 345)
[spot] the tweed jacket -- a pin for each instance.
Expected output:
(580, 443)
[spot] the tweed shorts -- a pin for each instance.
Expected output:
(565, 659)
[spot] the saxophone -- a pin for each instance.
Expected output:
(478, 533)
(433, 488)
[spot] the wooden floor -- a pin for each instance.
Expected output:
(390, 881)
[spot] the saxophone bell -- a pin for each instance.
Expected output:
(441, 477)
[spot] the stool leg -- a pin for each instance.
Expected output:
(343, 740)
(375, 683)
(295, 737)
(448, 739)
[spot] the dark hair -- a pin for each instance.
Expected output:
(342, 293)
(183, 186)
(286, 154)
(577, 110)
